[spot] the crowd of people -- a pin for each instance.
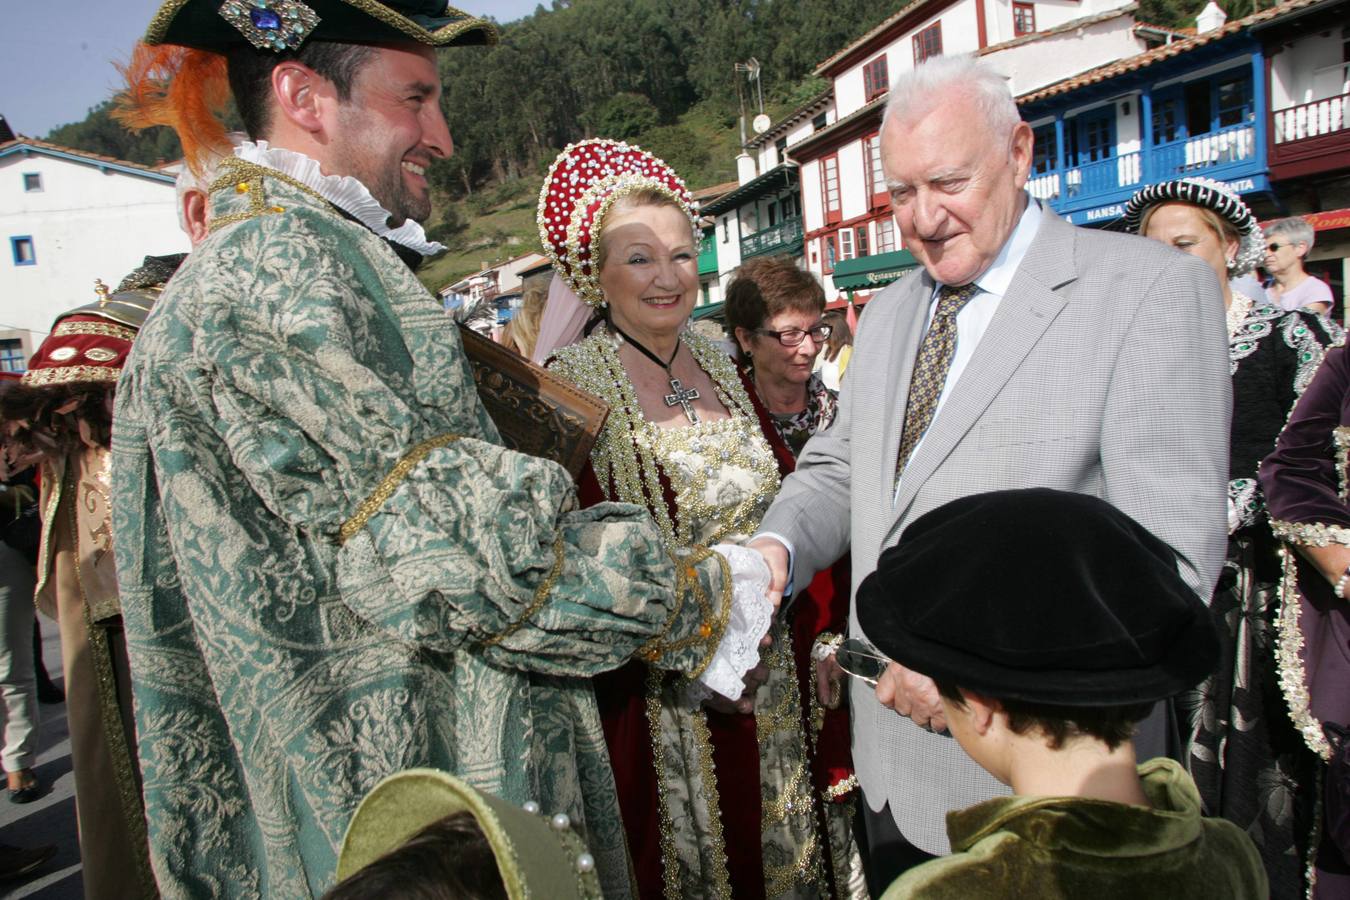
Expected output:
(1033, 585)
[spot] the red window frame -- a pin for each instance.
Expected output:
(862, 244)
(887, 241)
(829, 187)
(829, 252)
(928, 43)
(874, 178)
(876, 78)
(1024, 18)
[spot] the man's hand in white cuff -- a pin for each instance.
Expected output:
(776, 556)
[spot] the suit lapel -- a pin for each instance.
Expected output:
(911, 315)
(1025, 312)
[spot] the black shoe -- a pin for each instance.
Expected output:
(29, 792)
(48, 693)
(18, 861)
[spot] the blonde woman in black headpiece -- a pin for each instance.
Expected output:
(1239, 743)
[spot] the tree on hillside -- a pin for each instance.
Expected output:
(575, 68)
(100, 133)
(626, 115)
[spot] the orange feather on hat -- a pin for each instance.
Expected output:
(183, 88)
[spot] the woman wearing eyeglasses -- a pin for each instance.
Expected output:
(774, 312)
(1239, 744)
(716, 798)
(1287, 244)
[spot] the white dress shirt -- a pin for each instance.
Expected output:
(971, 324)
(974, 318)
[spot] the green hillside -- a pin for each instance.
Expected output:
(497, 223)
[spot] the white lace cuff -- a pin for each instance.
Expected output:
(751, 615)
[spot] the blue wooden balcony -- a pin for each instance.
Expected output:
(1097, 191)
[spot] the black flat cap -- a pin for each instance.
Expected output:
(1041, 596)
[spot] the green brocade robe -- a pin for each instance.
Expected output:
(1067, 848)
(279, 671)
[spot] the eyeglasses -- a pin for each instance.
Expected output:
(861, 660)
(792, 337)
(1271, 248)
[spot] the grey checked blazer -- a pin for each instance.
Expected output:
(1104, 371)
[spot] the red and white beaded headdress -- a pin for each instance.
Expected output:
(583, 183)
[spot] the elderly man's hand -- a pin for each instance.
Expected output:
(776, 555)
(911, 694)
(829, 682)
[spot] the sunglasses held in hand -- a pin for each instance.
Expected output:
(861, 660)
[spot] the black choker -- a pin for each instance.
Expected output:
(679, 394)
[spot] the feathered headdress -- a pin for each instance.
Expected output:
(180, 87)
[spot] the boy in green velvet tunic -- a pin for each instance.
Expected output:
(1043, 689)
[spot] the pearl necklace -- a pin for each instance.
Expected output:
(1237, 313)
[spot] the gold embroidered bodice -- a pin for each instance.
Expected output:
(722, 473)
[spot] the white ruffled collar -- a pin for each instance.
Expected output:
(342, 191)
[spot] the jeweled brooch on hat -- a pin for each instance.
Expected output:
(581, 186)
(271, 24)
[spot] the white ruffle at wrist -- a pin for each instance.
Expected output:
(751, 616)
(342, 191)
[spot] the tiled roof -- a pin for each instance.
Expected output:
(94, 159)
(1167, 51)
(873, 107)
(714, 191)
(879, 29)
(1188, 32)
(1073, 25)
(783, 125)
(756, 187)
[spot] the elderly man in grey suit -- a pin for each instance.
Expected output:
(1026, 352)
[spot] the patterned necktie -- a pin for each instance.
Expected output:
(930, 368)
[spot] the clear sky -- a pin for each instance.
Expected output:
(56, 57)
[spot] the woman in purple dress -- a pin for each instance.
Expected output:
(1305, 482)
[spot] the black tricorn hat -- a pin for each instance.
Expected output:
(1041, 596)
(219, 25)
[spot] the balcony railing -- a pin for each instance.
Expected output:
(1309, 120)
(785, 237)
(1205, 154)
(1207, 151)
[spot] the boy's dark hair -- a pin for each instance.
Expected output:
(450, 859)
(250, 72)
(1112, 725)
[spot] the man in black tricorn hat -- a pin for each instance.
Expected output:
(1042, 684)
(330, 568)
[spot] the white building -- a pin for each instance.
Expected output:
(850, 236)
(843, 229)
(492, 281)
(68, 217)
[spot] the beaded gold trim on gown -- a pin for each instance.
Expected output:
(723, 477)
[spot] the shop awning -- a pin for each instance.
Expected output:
(867, 272)
(708, 311)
